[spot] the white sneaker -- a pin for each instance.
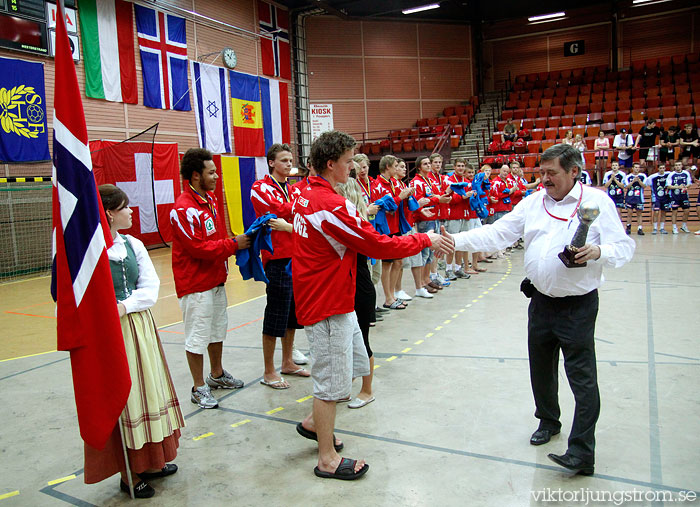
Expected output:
(675, 230)
(423, 293)
(403, 295)
(697, 233)
(684, 228)
(298, 357)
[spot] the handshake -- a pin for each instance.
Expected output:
(443, 243)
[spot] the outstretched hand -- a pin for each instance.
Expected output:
(443, 244)
(280, 224)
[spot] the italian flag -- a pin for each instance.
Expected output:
(107, 30)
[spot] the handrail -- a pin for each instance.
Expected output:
(441, 141)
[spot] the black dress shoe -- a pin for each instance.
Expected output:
(542, 436)
(141, 490)
(572, 463)
(168, 469)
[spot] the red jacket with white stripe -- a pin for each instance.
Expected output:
(497, 187)
(328, 234)
(443, 208)
(267, 197)
(201, 246)
(425, 187)
(458, 207)
(383, 187)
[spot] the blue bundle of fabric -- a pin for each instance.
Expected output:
(479, 201)
(460, 188)
(385, 204)
(248, 260)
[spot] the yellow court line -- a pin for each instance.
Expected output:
(490, 288)
(480, 296)
(455, 316)
(429, 335)
(9, 495)
(200, 437)
(418, 342)
(438, 328)
(470, 304)
(485, 292)
(377, 366)
(391, 358)
(447, 321)
(407, 349)
(461, 310)
(28, 355)
(62, 479)
(474, 300)
(240, 423)
(274, 410)
(302, 400)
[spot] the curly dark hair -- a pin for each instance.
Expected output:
(193, 162)
(329, 146)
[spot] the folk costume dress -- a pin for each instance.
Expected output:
(152, 418)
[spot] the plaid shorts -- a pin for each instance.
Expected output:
(280, 312)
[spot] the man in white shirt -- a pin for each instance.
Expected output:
(564, 302)
(623, 142)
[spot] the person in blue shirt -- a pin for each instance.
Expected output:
(677, 184)
(660, 200)
(614, 183)
(634, 197)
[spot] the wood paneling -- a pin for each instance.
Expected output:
(349, 117)
(444, 79)
(445, 40)
(327, 35)
(658, 36)
(389, 115)
(389, 39)
(335, 78)
(392, 78)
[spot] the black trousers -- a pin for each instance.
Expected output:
(566, 324)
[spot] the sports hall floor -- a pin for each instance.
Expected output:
(452, 418)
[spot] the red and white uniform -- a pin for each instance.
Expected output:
(403, 205)
(497, 187)
(328, 234)
(458, 208)
(425, 187)
(201, 246)
(296, 188)
(470, 212)
(270, 196)
(443, 209)
(518, 186)
(382, 187)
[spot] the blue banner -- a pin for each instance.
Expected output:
(23, 134)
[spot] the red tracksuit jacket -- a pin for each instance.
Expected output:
(267, 197)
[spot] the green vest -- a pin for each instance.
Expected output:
(125, 273)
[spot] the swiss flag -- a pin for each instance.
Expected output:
(151, 196)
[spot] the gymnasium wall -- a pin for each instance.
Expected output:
(385, 75)
(517, 48)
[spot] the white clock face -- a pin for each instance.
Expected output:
(229, 57)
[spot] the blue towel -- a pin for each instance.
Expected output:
(412, 203)
(248, 260)
(385, 204)
(460, 188)
(479, 201)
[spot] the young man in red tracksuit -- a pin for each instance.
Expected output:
(328, 234)
(272, 194)
(457, 215)
(201, 249)
(445, 192)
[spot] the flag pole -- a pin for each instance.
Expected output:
(126, 459)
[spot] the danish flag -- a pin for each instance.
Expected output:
(87, 319)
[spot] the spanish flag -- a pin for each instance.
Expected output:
(246, 108)
(239, 174)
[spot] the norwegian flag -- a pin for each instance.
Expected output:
(276, 55)
(163, 47)
(81, 284)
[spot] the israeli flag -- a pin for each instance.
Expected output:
(211, 105)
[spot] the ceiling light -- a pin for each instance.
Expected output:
(543, 17)
(642, 3)
(421, 8)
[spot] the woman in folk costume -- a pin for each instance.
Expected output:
(152, 419)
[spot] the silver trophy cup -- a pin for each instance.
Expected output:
(587, 213)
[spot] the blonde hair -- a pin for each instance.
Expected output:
(353, 193)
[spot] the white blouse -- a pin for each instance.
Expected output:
(146, 293)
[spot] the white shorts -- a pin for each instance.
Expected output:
(204, 315)
(338, 355)
(455, 226)
(473, 223)
(414, 261)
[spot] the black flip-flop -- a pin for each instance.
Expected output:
(311, 435)
(344, 472)
(168, 469)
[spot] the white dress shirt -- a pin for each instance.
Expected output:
(146, 293)
(546, 236)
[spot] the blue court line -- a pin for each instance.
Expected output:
(680, 357)
(654, 437)
(34, 368)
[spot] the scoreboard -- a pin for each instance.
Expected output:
(23, 25)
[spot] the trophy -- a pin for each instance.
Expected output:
(587, 213)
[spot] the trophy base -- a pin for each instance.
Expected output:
(567, 257)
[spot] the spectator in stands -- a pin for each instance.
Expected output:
(669, 141)
(328, 234)
(510, 132)
(677, 184)
(614, 183)
(634, 197)
(647, 142)
(602, 143)
(568, 138)
(272, 194)
(660, 200)
(624, 145)
(201, 250)
(580, 145)
(689, 144)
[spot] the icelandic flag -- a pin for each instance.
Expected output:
(239, 174)
(163, 47)
(88, 323)
(276, 53)
(211, 107)
(274, 99)
(247, 115)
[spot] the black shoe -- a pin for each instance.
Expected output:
(572, 463)
(381, 310)
(168, 469)
(628, 229)
(640, 232)
(141, 490)
(542, 436)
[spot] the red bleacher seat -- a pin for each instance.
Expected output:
(560, 92)
(683, 98)
(570, 109)
(433, 121)
(623, 95)
(610, 96)
(589, 159)
(397, 146)
(375, 148)
(460, 110)
(540, 123)
(653, 112)
(637, 125)
(453, 119)
(543, 112)
(638, 103)
(638, 93)
(622, 125)
(685, 110)
(454, 141)
(448, 111)
(429, 143)
(595, 118)
(623, 115)
(518, 114)
(668, 111)
(546, 101)
(567, 121)
(609, 107)
(582, 108)
(546, 144)
(533, 103)
(667, 122)
(537, 134)
(571, 100)
(458, 129)
(556, 110)
(408, 145)
(464, 119)
(580, 119)
(531, 112)
(530, 160)
(595, 107)
(557, 101)
(623, 104)
(528, 123)
(579, 130)
(592, 130)
(533, 146)
(637, 114)
(443, 120)
(551, 132)
(653, 102)
(554, 121)
(607, 127)
(609, 117)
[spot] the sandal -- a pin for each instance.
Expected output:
(275, 384)
(396, 305)
(297, 372)
(311, 435)
(481, 270)
(345, 471)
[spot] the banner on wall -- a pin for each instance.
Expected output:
(211, 105)
(276, 53)
(574, 48)
(274, 99)
(246, 109)
(23, 134)
(321, 119)
(239, 174)
(151, 193)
